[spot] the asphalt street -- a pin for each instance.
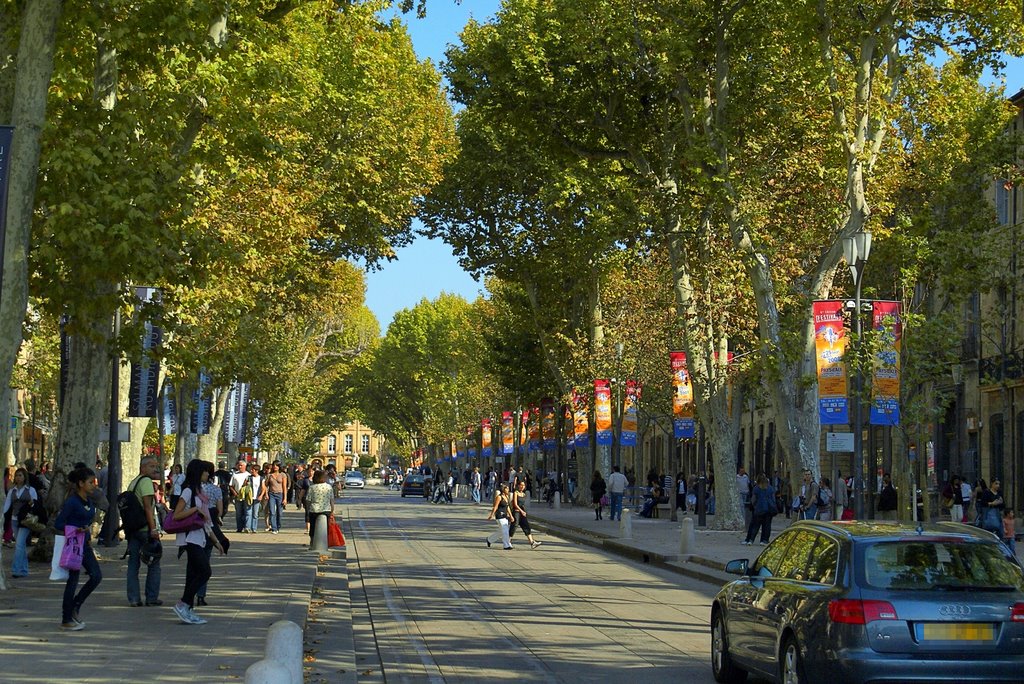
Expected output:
(431, 603)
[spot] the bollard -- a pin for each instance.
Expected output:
(320, 535)
(688, 541)
(558, 499)
(626, 524)
(284, 646)
(267, 672)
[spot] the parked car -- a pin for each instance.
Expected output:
(354, 478)
(870, 601)
(414, 483)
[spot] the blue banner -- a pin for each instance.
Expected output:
(202, 406)
(145, 373)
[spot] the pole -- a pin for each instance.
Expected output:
(111, 523)
(858, 446)
(34, 427)
(702, 514)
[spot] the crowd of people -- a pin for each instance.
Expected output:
(188, 502)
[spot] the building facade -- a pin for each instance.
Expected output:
(345, 446)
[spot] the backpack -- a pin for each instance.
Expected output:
(133, 515)
(823, 499)
(246, 493)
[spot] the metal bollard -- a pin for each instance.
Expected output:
(284, 646)
(688, 541)
(626, 524)
(267, 672)
(320, 535)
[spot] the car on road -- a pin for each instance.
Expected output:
(414, 483)
(354, 478)
(872, 602)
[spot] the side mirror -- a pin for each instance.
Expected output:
(738, 567)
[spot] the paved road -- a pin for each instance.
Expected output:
(432, 604)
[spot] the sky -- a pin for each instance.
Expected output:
(427, 268)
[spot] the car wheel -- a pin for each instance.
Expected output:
(792, 664)
(722, 666)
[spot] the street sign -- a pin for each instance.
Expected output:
(840, 442)
(124, 432)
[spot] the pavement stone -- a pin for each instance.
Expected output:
(263, 579)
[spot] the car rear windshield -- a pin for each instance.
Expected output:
(952, 565)
(414, 479)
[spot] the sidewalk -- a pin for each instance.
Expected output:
(263, 579)
(654, 540)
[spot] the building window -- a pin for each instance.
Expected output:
(332, 444)
(348, 444)
(1002, 202)
(366, 444)
(997, 440)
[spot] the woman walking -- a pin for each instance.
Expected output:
(193, 542)
(597, 490)
(259, 496)
(20, 498)
(764, 508)
(319, 500)
(501, 511)
(519, 505)
(78, 512)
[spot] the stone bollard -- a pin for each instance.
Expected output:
(267, 672)
(558, 499)
(626, 524)
(688, 541)
(284, 646)
(320, 535)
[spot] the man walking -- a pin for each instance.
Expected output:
(808, 497)
(887, 500)
(277, 488)
(238, 480)
(142, 488)
(474, 482)
(743, 488)
(616, 488)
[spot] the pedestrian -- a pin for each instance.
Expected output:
(808, 497)
(992, 499)
(175, 479)
(223, 478)
(617, 483)
(520, 502)
(598, 488)
(303, 489)
(980, 495)
(215, 505)
(19, 501)
(142, 488)
(449, 486)
(277, 495)
(965, 494)
(78, 512)
(319, 502)
(842, 496)
(887, 500)
(1009, 531)
(501, 510)
(192, 543)
(259, 496)
(954, 495)
(743, 486)
(764, 509)
(681, 491)
(241, 492)
(474, 480)
(824, 501)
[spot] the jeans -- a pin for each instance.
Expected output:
(71, 601)
(135, 543)
(254, 516)
(20, 566)
(241, 515)
(616, 507)
(201, 591)
(476, 494)
(275, 504)
(197, 572)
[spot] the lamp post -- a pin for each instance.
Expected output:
(856, 250)
(617, 460)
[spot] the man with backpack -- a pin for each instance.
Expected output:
(141, 531)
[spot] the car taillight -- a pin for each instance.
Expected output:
(1017, 612)
(856, 612)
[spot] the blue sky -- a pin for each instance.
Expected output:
(427, 267)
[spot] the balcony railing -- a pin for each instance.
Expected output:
(996, 369)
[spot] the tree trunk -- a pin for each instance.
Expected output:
(28, 116)
(185, 443)
(207, 449)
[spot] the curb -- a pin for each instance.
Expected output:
(328, 637)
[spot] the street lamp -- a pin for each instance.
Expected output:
(856, 250)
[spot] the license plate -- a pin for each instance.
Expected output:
(958, 631)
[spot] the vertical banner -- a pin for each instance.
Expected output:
(257, 430)
(684, 424)
(524, 439)
(547, 423)
(170, 408)
(629, 414)
(603, 412)
(885, 376)
(568, 429)
(202, 406)
(145, 373)
(234, 412)
(829, 353)
(581, 423)
(485, 438)
(506, 432)
(534, 428)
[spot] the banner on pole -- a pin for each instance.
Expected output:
(885, 377)
(485, 438)
(603, 412)
(684, 424)
(257, 430)
(202, 406)
(234, 412)
(629, 414)
(170, 409)
(568, 428)
(534, 428)
(145, 373)
(524, 439)
(506, 432)
(547, 423)
(581, 423)
(830, 343)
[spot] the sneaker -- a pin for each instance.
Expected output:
(183, 612)
(745, 543)
(273, 532)
(535, 544)
(75, 618)
(195, 619)
(154, 602)
(72, 626)
(488, 542)
(764, 543)
(267, 530)
(507, 548)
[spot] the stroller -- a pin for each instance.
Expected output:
(440, 494)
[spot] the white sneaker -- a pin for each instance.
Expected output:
(195, 619)
(183, 613)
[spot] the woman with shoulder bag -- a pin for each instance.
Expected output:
(192, 542)
(20, 498)
(597, 492)
(78, 513)
(502, 512)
